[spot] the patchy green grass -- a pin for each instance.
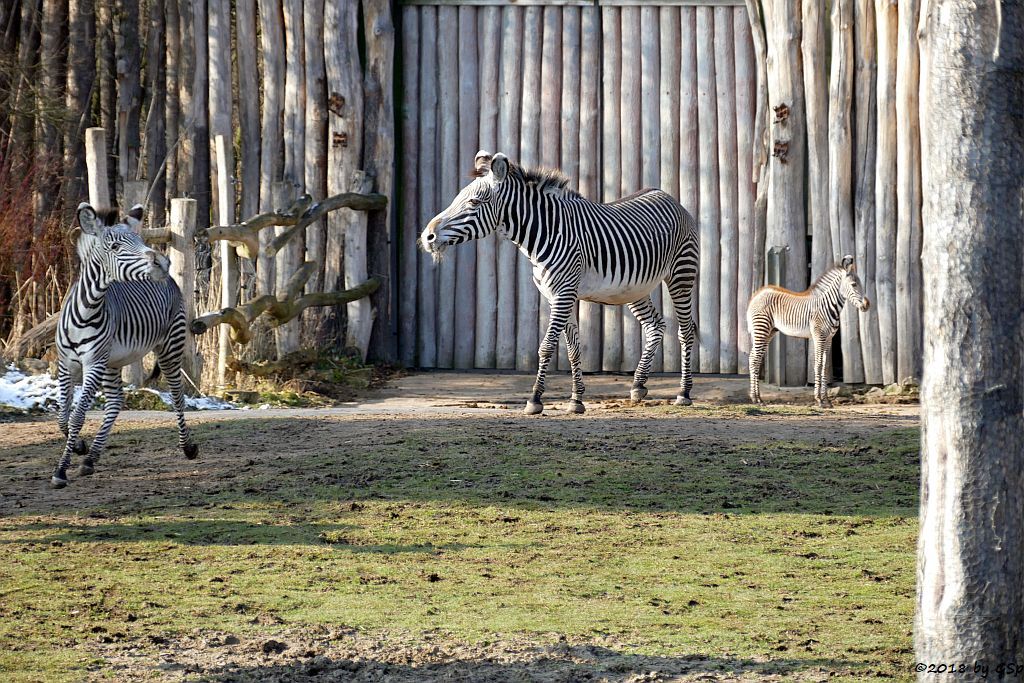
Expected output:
(669, 541)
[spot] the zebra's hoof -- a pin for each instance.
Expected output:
(683, 401)
(576, 407)
(85, 469)
(191, 451)
(533, 408)
(80, 447)
(825, 404)
(637, 394)
(58, 482)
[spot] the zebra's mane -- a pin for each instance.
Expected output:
(837, 268)
(547, 180)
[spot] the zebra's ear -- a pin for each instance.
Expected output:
(481, 164)
(88, 220)
(134, 218)
(499, 166)
(848, 263)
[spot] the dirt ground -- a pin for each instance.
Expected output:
(414, 402)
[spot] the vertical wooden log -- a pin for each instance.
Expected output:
(315, 321)
(106, 72)
(725, 86)
(379, 153)
(129, 88)
(486, 318)
(181, 254)
(787, 225)
(746, 83)
(630, 141)
(908, 197)
(668, 105)
(886, 17)
(80, 76)
(427, 177)
(650, 125)
(51, 81)
(271, 130)
(228, 258)
(759, 167)
(569, 129)
(172, 102)
(359, 314)
(527, 296)
(135, 193)
(689, 134)
(410, 52)
(611, 163)
(96, 167)
(840, 174)
(344, 155)
(865, 141)
(447, 160)
(590, 316)
(201, 123)
(550, 130)
(710, 207)
(156, 142)
(510, 87)
(186, 82)
(248, 107)
(289, 259)
(468, 143)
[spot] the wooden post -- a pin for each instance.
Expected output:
(630, 152)
(689, 135)
(569, 128)
(527, 296)
(650, 128)
(486, 319)
(271, 131)
(467, 145)
(228, 257)
(448, 174)
(865, 141)
(426, 180)
(548, 152)
(884, 303)
(668, 103)
(249, 110)
(746, 84)
(129, 89)
(840, 174)
(710, 207)
(725, 87)
(410, 47)
(315, 321)
(135, 193)
(510, 89)
(96, 167)
(611, 162)
(908, 196)
(181, 254)
(759, 165)
(589, 133)
(156, 85)
(787, 224)
(290, 258)
(175, 123)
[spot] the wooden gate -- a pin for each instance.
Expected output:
(619, 96)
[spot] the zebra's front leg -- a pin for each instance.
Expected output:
(654, 330)
(92, 377)
(111, 409)
(561, 309)
(820, 385)
(572, 345)
(65, 399)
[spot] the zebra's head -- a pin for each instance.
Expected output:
(474, 213)
(850, 286)
(117, 247)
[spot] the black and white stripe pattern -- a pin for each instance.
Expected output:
(812, 314)
(122, 306)
(614, 253)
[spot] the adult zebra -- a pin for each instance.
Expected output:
(614, 253)
(122, 306)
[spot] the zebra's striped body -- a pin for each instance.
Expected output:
(614, 253)
(812, 314)
(122, 306)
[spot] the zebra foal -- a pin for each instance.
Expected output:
(811, 314)
(614, 253)
(122, 306)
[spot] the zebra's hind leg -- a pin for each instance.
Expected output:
(111, 409)
(680, 287)
(90, 383)
(171, 369)
(561, 311)
(654, 330)
(572, 345)
(757, 350)
(65, 399)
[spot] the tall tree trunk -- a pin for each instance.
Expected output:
(315, 321)
(156, 143)
(248, 107)
(201, 138)
(971, 547)
(106, 75)
(186, 77)
(290, 257)
(80, 77)
(271, 131)
(49, 104)
(172, 95)
(129, 88)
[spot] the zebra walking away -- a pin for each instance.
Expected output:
(122, 306)
(614, 253)
(811, 314)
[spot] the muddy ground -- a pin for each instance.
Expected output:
(416, 402)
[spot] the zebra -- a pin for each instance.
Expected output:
(614, 253)
(811, 314)
(122, 306)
